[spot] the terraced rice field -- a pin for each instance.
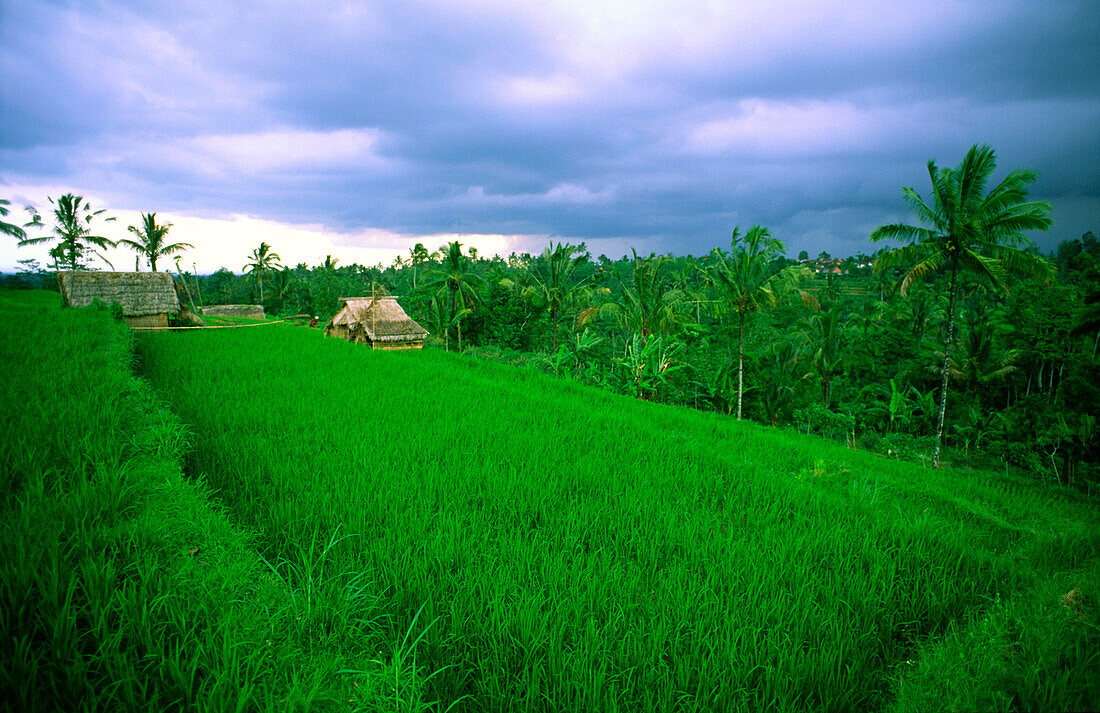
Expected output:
(530, 544)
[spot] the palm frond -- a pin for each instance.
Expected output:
(1025, 263)
(973, 174)
(989, 267)
(904, 256)
(931, 264)
(920, 209)
(901, 232)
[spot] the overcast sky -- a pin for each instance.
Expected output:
(360, 128)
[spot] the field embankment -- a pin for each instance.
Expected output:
(124, 586)
(535, 545)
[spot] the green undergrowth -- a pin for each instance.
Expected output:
(540, 545)
(124, 585)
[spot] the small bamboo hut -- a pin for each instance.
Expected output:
(147, 299)
(378, 321)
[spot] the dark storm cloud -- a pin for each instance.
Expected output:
(659, 124)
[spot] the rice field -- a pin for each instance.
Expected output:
(123, 584)
(518, 543)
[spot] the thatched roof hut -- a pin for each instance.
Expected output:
(378, 321)
(147, 299)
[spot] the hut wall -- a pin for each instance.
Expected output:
(157, 321)
(398, 346)
(244, 311)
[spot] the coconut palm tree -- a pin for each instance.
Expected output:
(966, 229)
(9, 228)
(978, 362)
(263, 262)
(150, 240)
(72, 226)
(417, 256)
(824, 335)
(782, 363)
(458, 286)
(649, 304)
(745, 281)
(554, 285)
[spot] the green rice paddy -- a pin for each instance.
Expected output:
(415, 527)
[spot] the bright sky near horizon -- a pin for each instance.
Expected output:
(358, 129)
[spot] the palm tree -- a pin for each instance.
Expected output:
(554, 285)
(459, 286)
(263, 262)
(979, 364)
(10, 228)
(649, 305)
(72, 225)
(966, 229)
(745, 281)
(150, 240)
(824, 335)
(782, 360)
(417, 255)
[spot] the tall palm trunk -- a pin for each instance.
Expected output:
(740, 361)
(946, 361)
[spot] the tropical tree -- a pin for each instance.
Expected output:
(417, 256)
(966, 229)
(263, 261)
(824, 334)
(554, 285)
(72, 227)
(458, 286)
(745, 281)
(782, 364)
(284, 285)
(150, 240)
(978, 362)
(10, 228)
(649, 305)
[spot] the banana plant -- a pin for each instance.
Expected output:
(648, 363)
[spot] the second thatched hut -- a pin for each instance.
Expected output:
(378, 321)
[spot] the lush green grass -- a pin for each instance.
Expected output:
(536, 545)
(123, 584)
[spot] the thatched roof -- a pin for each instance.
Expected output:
(138, 293)
(380, 317)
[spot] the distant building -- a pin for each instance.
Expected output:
(378, 321)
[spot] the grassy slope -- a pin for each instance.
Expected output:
(123, 585)
(561, 548)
